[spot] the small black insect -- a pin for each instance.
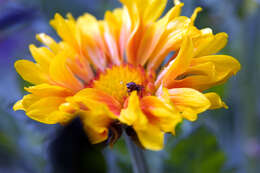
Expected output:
(131, 86)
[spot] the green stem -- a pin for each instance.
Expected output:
(137, 156)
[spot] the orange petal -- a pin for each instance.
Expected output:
(133, 44)
(92, 41)
(81, 68)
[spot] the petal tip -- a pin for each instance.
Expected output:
(18, 106)
(177, 2)
(225, 106)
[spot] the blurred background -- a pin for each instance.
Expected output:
(222, 141)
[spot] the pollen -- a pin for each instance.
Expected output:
(114, 81)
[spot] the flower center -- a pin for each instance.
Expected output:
(119, 81)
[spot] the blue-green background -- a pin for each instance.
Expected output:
(226, 141)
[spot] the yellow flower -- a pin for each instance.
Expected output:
(108, 72)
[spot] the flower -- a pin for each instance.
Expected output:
(109, 72)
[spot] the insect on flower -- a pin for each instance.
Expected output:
(131, 86)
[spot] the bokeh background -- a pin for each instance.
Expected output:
(225, 141)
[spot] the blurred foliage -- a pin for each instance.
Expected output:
(8, 140)
(197, 153)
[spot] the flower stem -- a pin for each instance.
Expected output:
(137, 156)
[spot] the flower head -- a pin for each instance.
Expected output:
(110, 73)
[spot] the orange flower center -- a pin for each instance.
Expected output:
(119, 81)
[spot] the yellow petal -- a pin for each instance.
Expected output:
(147, 10)
(42, 56)
(30, 72)
(61, 74)
(26, 102)
(60, 117)
(203, 69)
(93, 25)
(208, 44)
(215, 101)
(94, 136)
(175, 11)
(133, 114)
(48, 41)
(189, 102)
(195, 14)
(178, 65)
(225, 67)
(197, 77)
(151, 137)
(18, 105)
(157, 107)
(153, 10)
(44, 110)
(77, 63)
(95, 125)
(45, 90)
(66, 28)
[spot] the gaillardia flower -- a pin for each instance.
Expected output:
(113, 73)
